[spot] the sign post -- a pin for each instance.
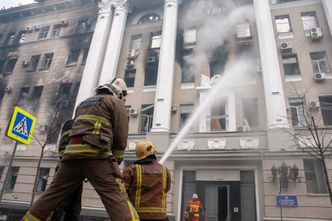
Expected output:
(21, 127)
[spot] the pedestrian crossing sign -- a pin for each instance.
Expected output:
(21, 125)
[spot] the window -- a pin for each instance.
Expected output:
(314, 176)
(43, 32)
(47, 61)
(146, 118)
(156, 39)
(319, 62)
(283, 1)
(185, 112)
(73, 57)
(13, 173)
(250, 112)
(291, 66)
(188, 75)
(218, 60)
(85, 56)
(7, 66)
(1, 171)
(135, 43)
(151, 73)
(148, 18)
(130, 77)
(309, 21)
(297, 111)
(219, 116)
(10, 38)
(56, 31)
(83, 26)
(22, 35)
(283, 24)
(37, 92)
(23, 96)
(33, 63)
(42, 179)
(243, 31)
(325, 103)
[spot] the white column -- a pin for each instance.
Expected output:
(96, 52)
(273, 89)
(111, 59)
(328, 12)
(164, 89)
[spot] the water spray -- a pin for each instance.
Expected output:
(235, 76)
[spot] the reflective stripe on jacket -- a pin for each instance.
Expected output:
(194, 206)
(147, 186)
(101, 124)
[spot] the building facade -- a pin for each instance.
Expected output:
(225, 83)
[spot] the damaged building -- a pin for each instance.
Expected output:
(226, 82)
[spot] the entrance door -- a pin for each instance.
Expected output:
(216, 202)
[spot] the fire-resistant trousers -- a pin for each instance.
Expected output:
(103, 174)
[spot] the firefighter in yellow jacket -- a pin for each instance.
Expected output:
(147, 183)
(96, 146)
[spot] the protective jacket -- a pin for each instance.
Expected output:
(100, 129)
(194, 210)
(147, 183)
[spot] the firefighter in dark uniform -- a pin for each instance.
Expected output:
(96, 146)
(147, 183)
(70, 209)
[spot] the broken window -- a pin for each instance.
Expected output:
(42, 179)
(218, 60)
(155, 39)
(291, 66)
(309, 21)
(297, 111)
(319, 62)
(185, 112)
(130, 77)
(73, 57)
(56, 31)
(10, 40)
(23, 97)
(151, 68)
(250, 112)
(36, 94)
(7, 66)
(148, 18)
(43, 32)
(85, 55)
(188, 75)
(13, 174)
(33, 63)
(47, 61)
(325, 103)
(146, 118)
(219, 116)
(314, 176)
(283, 24)
(83, 25)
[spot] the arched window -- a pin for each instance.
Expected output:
(149, 18)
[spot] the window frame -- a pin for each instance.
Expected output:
(43, 33)
(318, 175)
(318, 64)
(42, 179)
(286, 65)
(326, 110)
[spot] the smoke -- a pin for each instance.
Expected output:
(213, 30)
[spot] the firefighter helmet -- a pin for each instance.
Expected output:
(145, 148)
(195, 196)
(117, 87)
(121, 88)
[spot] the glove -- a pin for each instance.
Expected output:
(118, 154)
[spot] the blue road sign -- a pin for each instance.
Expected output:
(287, 201)
(21, 125)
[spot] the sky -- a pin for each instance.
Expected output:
(14, 3)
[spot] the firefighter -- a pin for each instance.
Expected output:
(96, 146)
(194, 211)
(71, 208)
(147, 183)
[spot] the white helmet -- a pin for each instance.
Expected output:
(117, 87)
(121, 88)
(195, 196)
